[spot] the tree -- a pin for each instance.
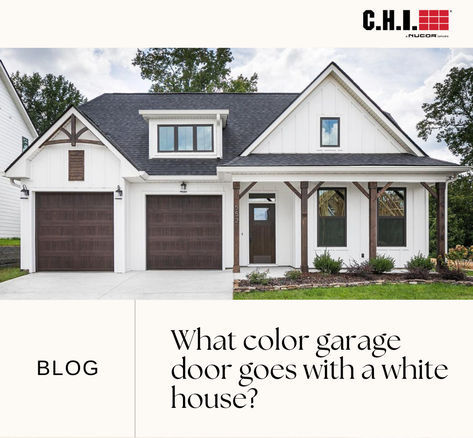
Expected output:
(191, 70)
(460, 214)
(46, 98)
(450, 115)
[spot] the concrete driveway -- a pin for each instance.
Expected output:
(155, 285)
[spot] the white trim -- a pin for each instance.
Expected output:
(187, 178)
(14, 95)
(340, 76)
(197, 193)
(184, 114)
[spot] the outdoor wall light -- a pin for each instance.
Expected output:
(25, 193)
(118, 193)
(183, 187)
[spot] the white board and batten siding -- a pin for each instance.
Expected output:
(12, 128)
(300, 131)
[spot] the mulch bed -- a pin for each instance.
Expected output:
(316, 279)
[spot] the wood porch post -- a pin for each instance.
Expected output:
(236, 227)
(373, 223)
(304, 229)
(441, 238)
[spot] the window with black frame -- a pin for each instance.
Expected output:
(331, 215)
(392, 217)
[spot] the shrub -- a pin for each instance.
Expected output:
(459, 255)
(363, 269)
(326, 264)
(381, 264)
(452, 274)
(293, 274)
(258, 277)
(419, 266)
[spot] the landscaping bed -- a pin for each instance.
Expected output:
(316, 279)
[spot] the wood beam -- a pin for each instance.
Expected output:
(441, 235)
(236, 227)
(79, 140)
(293, 189)
(386, 187)
(373, 222)
(361, 189)
(73, 130)
(244, 192)
(429, 189)
(317, 187)
(81, 131)
(304, 229)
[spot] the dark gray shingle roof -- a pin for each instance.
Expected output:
(116, 116)
(336, 159)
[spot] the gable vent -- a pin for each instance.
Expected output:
(76, 165)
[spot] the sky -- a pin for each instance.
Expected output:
(398, 80)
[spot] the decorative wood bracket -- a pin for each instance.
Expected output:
(293, 189)
(361, 189)
(429, 189)
(73, 136)
(386, 187)
(317, 187)
(244, 192)
(298, 194)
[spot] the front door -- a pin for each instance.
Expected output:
(262, 233)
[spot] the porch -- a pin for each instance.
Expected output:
(307, 219)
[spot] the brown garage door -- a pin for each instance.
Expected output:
(184, 232)
(74, 231)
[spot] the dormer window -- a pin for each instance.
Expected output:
(330, 132)
(185, 138)
(185, 133)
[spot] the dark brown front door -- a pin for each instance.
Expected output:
(262, 233)
(74, 231)
(184, 232)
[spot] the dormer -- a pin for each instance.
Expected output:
(185, 133)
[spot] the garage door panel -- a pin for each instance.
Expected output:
(74, 231)
(184, 232)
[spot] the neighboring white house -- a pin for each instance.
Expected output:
(221, 180)
(16, 133)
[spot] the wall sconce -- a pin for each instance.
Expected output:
(118, 193)
(183, 187)
(25, 193)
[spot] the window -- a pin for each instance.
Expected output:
(330, 131)
(392, 218)
(24, 143)
(185, 138)
(332, 220)
(260, 213)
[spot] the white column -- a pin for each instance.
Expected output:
(27, 249)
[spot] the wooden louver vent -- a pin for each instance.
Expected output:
(76, 165)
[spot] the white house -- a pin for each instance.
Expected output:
(215, 181)
(16, 133)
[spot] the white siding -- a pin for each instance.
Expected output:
(12, 129)
(300, 131)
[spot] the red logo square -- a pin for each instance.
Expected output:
(433, 13)
(423, 13)
(444, 13)
(423, 26)
(443, 26)
(423, 19)
(434, 27)
(434, 19)
(443, 19)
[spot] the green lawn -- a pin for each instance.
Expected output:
(435, 291)
(9, 273)
(15, 241)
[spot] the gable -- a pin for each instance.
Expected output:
(300, 131)
(367, 128)
(48, 157)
